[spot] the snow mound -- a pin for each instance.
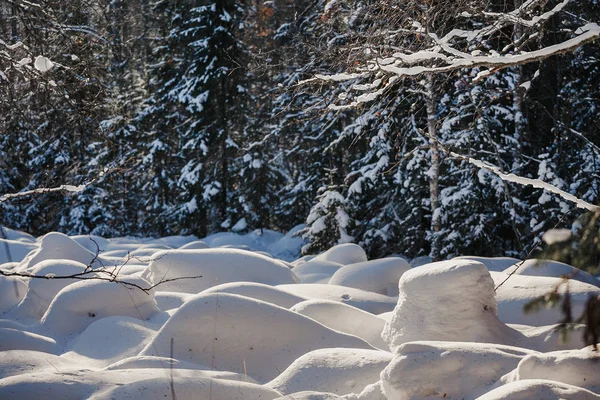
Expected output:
(347, 253)
(258, 291)
(240, 334)
(368, 301)
(78, 383)
(316, 271)
(519, 290)
(447, 300)
(58, 246)
(338, 371)
(108, 340)
(92, 242)
(496, 264)
(17, 362)
(170, 300)
(173, 242)
(378, 276)
(574, 367)
(462, 370)
(195, 245)
(14, 250)
(15, 339)
(538, 389)
(187, 389)
(78, 305)
(19, 236)
(214, 266)
(41, 292)
(420, 261)
(344, 318)
(310, 395)
(12, 291)
(551, 268)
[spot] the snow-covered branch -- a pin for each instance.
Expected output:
(61, 188)
(537, 183)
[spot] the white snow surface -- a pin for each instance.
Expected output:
(256, 321)
(378, 276)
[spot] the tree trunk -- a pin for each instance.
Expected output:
(434, 170)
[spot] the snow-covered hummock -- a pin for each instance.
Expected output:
(492, 263)
(146, 383)
(80, 304)
(378, 276)
(93, 243)
(347, 253)
(58, 246)
(196, 245)
(258, 291)
(213, 267)
(370, 302)
(316, 271)
(340, 371)
(550, 268)
(109, 340)
(460, 369)
(519, 290)
(574, 367)
(344, 318)
(450, 301)
(14, 250)
(41, 292)
(539, 389)
(239, 334)
(12, 291)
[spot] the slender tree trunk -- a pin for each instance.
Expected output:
(434, 170)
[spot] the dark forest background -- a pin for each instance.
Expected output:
(187, 117)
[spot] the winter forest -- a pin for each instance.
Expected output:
(393, 125)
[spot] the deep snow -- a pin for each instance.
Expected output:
(257, 322)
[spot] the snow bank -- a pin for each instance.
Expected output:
(55, 245)
(170, 300)
(234, 333)
(108, 340)
(539, 389)
(78, 305)
(338, 371)
(448, 300)
(78, 383)
(92, 242)
(519, 290)
(419, 261)
(12, 291)
(41, 292)
(550, 268)
(14, 250)
(378, 276)
(344, 318)
(310, 395)
(15, 339)
(347, 253)
(195, 245)
(258, 291)
(492, 263)
(160, 388)
(316, 271)
(215, 266)
(574, 367)
(17, 362)
(447, 369)
(368, 301)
